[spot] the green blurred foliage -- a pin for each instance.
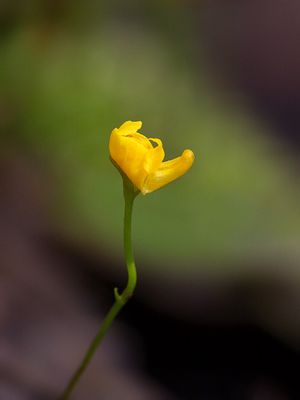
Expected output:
(68, 88)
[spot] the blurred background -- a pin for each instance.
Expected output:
(216, 311)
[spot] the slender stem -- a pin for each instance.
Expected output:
(129, 196)
(120, 299)
(110, 316)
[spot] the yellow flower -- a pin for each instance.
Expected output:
(141, 159)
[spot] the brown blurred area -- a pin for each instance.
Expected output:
(46, 321)
(53, 296)
(256, 45)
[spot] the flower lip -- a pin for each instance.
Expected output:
(141, 158)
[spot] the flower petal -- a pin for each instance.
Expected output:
(168, 172)
(128, 153)
(130, 127)
(154, 157)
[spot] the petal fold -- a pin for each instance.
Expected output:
(168, 172)
(154, 157)
(130, 127)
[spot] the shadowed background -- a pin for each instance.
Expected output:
(216, 312)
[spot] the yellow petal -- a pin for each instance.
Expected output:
(128, 152)
(168, 172)
(130, 127)
(141, 139)
(153, 157)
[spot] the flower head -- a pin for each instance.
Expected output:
(141, 158)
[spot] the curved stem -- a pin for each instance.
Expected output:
(120, 299)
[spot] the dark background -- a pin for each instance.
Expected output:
(216, 311)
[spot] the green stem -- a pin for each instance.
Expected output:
(120, 299)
